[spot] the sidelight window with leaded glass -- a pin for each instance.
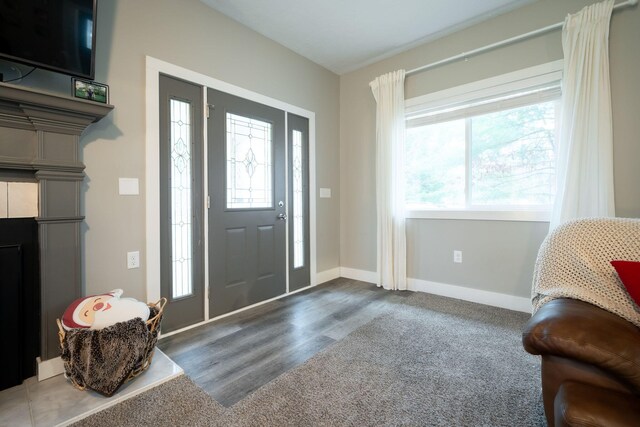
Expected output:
(298, 200)
(181, 193)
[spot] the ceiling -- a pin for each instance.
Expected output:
(344, 35)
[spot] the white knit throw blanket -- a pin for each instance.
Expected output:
(573, 262)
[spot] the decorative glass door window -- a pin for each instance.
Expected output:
(181, 215)
(298, 207)
(249, 163)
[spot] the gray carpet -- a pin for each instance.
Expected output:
(429, 361)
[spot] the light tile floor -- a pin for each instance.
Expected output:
(55, 401)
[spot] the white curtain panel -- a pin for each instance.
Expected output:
(585, 149)
(388, 91)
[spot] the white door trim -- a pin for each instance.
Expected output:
(152, 171)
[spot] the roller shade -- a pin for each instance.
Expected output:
(483, 105)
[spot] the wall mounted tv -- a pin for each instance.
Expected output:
(57, 35)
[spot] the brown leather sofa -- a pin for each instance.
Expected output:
(590, 364)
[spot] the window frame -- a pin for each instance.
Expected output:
(494, 87)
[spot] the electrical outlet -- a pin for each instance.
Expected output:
(133, 259)
(457, 256)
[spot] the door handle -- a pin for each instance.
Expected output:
(282, 217)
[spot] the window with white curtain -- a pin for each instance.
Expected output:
(485, 150)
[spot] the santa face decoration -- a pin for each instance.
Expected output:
(100, 311)
(92, 305)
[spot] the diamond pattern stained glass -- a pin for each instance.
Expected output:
(249, 163)
(181, 177)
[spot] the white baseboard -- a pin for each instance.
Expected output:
(362, 275)
(326, 275)
(49, 368)
(479, 296)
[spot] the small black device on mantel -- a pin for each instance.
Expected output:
(57, 35)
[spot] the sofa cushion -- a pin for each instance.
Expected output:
(579, 330)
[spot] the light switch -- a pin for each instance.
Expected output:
(325, 193)
(129, 186)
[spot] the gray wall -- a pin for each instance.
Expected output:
(498, 256)
(191, 35)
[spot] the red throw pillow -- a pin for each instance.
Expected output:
(629, 273)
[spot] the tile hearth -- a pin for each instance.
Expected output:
(56, 402)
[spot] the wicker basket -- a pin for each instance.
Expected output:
(153, 324)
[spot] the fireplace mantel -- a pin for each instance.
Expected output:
(39, 135)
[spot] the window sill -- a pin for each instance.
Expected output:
(482, 215)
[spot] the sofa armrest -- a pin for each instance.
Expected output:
(579, 330)
(578, 404)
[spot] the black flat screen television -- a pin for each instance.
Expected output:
(57, 35)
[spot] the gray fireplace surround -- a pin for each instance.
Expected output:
(39, 139)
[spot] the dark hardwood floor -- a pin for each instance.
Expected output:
(234, 356)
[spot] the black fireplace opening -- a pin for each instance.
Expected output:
(19, 300)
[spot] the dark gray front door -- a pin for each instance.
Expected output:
(299, 257)
(247, 215)
(181, 203)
